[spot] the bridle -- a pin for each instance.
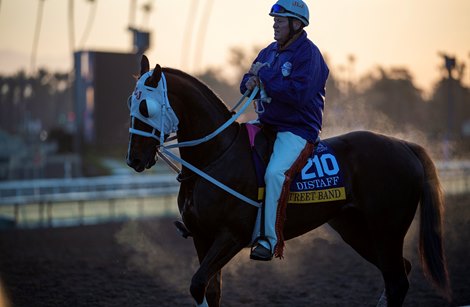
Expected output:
(166, 112)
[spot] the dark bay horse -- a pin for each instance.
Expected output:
(386, 178)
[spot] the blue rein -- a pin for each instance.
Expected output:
(164, 150)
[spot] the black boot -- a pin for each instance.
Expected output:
(259, 252)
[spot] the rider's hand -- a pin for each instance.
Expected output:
(252, 83)
(256, 67)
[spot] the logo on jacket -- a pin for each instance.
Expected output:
(286, 69)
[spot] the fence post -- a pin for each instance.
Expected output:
(17, 214)
(81, 212)
(141, 206)
(41, 213)
(112, 209)
(467, 181)
(49, 214)
(167, 204)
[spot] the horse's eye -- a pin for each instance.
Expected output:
(143, 109)
(129, 102)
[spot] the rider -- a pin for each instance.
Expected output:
(293, 73)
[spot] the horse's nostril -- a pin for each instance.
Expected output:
(133, 162)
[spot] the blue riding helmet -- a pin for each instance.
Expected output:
(291, 8)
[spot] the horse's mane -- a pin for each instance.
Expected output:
(202, 87)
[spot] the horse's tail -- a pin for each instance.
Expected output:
(431, 247)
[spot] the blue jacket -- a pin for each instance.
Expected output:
(298, 93)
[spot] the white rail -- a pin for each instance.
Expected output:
(455, 176)
(83, 189)
(44, 198)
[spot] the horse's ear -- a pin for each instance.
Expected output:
(144, 65)
(155, 78)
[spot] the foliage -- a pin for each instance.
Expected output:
(394, 95)
(449, 113)
(29, 104)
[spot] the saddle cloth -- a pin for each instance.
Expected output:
(320, 180)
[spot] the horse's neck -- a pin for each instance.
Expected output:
(200, 113)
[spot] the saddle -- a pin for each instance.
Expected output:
(262, 138)
(262, 142)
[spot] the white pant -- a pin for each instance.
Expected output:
(287, 148)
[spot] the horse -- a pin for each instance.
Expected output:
(387, 178)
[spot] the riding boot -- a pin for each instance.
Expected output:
(261, 250)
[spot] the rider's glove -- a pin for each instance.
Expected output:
(256, 67)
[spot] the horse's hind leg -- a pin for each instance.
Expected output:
(384, 252)
(394, 271)
(383, 301)
(213, 256)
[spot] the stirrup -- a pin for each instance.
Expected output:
(256, 244)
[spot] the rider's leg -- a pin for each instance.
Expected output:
(287, 148)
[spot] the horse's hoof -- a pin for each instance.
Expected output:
(383, 300)
(181, 227)
(204, 302)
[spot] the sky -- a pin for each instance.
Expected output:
(386, 33)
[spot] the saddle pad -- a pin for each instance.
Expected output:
(321, 179)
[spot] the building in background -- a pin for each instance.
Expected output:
(103, 81)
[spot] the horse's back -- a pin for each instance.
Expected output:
(382, 172)
(375, 152)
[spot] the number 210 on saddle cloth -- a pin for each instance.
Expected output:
(320, 180)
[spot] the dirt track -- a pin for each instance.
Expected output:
(146, 263)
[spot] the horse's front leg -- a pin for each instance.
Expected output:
(213, 256)
(214, 289)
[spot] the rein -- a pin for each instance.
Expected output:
(164, 152)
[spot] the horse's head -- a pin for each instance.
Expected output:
(152, 118)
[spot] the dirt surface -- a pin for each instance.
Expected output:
(146, 263)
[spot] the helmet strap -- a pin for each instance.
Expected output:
(292, 32)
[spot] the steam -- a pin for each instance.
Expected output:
(354, 116)
(161, 262)
(294, 263)
(156, 260)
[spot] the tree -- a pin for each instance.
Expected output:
(393, 94)
(449, 112)
(44, 98)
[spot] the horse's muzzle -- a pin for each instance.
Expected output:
(138, 165)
